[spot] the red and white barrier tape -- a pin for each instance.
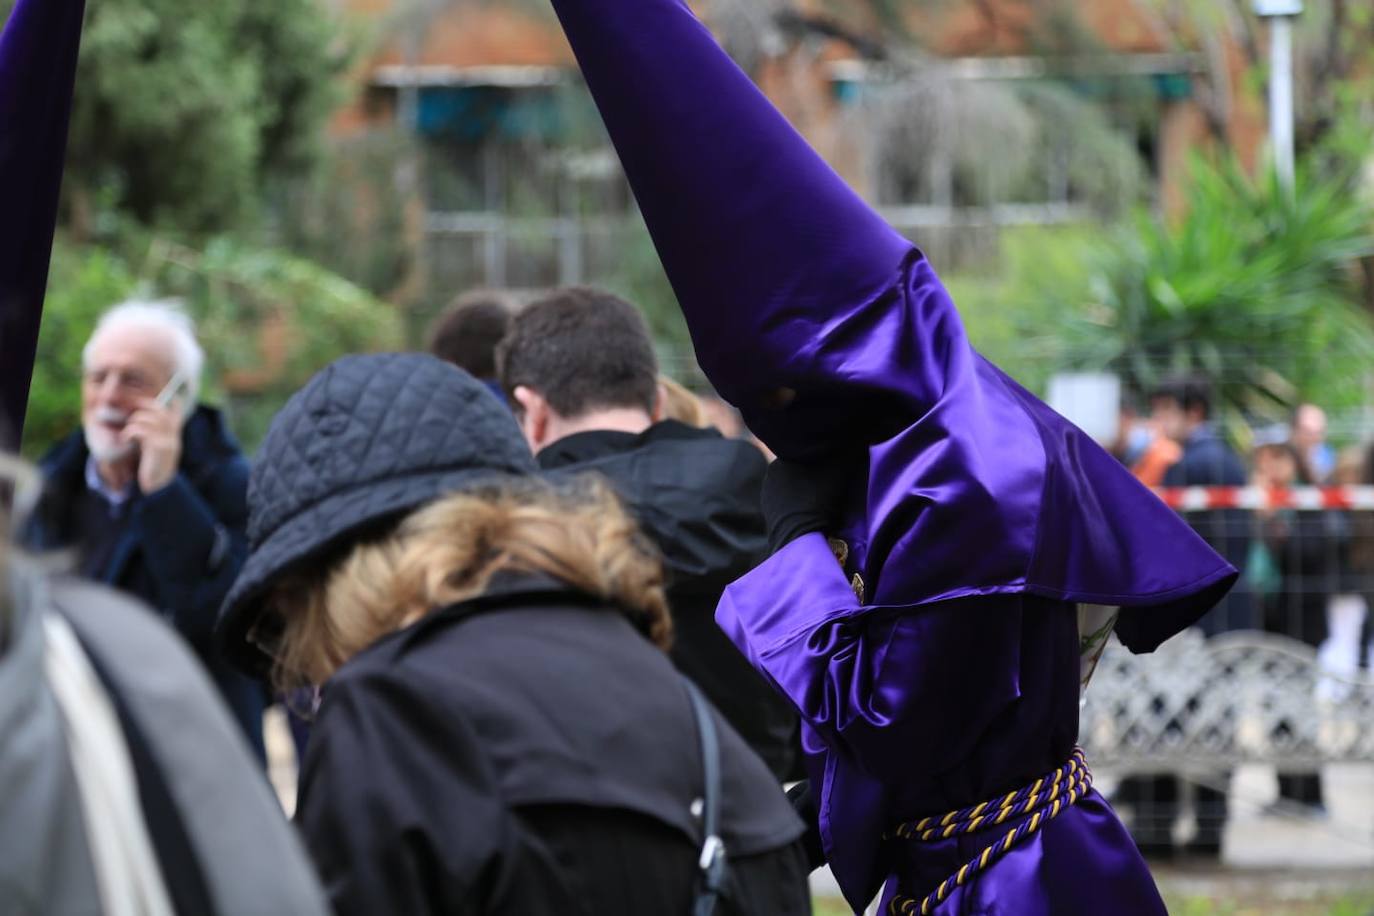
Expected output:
(1306, 499)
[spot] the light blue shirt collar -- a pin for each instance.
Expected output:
(116, 498)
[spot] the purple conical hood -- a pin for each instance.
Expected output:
(833, 335)
(38, 50)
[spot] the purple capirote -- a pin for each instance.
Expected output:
(977, 518)
(38, 50)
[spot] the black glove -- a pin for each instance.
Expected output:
(804, 803)
(801, 498)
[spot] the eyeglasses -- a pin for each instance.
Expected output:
(266, 634)
(134, 381)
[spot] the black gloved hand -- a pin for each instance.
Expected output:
(804, 803)
(801, 498)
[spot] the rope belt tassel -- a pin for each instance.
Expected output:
(1043, 800)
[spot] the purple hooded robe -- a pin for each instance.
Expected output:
(37, 68)
(978, 518)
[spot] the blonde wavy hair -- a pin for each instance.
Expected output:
(448, 551)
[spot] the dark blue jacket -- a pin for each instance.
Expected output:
(183, 545)
(1209, 461)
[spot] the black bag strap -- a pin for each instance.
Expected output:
(712, 862)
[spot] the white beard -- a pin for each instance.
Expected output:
(102, 442)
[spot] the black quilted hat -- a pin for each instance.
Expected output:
(366, 441)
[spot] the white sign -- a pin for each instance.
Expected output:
(1089, 400)
(1278, 7)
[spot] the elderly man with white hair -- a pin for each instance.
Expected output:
(150, 494)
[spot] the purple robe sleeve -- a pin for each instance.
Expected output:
(889, 696)
(862, 677)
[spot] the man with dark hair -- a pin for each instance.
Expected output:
(467, 332)
(576, 355)
(1183, 407)
(580, 372)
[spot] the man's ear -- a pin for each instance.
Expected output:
(532, 413)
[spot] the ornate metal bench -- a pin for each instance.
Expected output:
(1199, 706)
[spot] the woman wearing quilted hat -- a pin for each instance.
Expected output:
(499, 731)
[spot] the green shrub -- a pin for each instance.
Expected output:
(1253, 288)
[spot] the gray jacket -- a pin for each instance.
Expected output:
(219, 834)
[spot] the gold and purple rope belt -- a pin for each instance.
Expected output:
(1043, 800)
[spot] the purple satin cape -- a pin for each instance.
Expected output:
(38, 50)
(971, 498)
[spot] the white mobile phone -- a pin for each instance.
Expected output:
(177, 386)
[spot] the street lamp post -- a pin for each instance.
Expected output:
(1280, 14)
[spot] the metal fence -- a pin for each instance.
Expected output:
(490, 248)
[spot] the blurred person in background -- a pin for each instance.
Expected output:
(1361, 553)
(580, 372)
(725, 417)
(1132, 436)
(1276, 466)
(1181, 412)
(467, 332)
(1308, 551)
(1308, 435)
(1279, 466)
(1347, 613)
(150, 494)
(125, 788)
(677, 402)
(500, 731)
(1142, 446)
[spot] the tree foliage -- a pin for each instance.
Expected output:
(350, 213)
(1333, 59)
(1012, 311)
(184, 112)
(1254, 287)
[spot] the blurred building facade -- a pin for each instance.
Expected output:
(520, 189)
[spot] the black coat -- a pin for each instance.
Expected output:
(529, 753)
(1310, 550)
(697, 495)
(1208, 461)
(181, 548)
